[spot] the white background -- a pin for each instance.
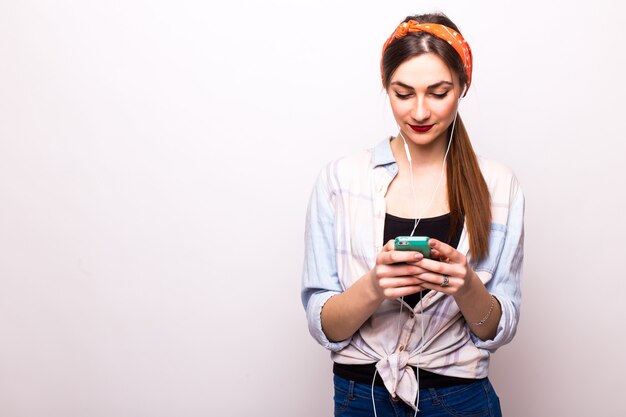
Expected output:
(156, 159)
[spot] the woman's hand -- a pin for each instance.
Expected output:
(482, 311)
(391, 277)
(447, 271)
(394, 274)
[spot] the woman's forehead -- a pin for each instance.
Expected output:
(422, 71)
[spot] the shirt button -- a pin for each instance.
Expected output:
(401, 348)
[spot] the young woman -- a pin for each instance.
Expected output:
(410, 333)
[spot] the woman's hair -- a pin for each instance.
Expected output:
(468, 194)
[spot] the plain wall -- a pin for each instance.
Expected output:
(156, 159)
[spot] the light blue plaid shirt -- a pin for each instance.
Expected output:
(344, 233)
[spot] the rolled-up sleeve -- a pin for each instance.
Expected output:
(505, 284)
(320, 280)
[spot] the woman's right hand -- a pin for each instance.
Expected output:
(393, 274)
(391, 277)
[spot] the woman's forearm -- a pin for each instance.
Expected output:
(343, 314)
(481, 310)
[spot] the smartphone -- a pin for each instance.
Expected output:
(413, 243)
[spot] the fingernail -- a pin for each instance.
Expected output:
(418, 256)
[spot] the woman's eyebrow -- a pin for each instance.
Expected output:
(403, 85)
(430, 87)
(441, 84)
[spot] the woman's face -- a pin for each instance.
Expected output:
(424, 94)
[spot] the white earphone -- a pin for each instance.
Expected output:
(463, 92)
(417, 221)
(406, 148)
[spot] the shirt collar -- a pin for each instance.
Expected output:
(382, 154)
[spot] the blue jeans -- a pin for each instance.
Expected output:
(353, 399)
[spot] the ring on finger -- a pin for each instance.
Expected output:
(446, 281)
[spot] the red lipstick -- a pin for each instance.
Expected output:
(421, 128)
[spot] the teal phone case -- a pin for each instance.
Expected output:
(413, 243)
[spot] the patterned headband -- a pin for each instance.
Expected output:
(449, 35)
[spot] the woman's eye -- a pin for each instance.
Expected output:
(403, 96)
(440, 95)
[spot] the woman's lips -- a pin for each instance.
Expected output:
(421, 128)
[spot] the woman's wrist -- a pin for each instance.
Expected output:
(476, 302)
(472, 286)
(376, 292)
(488, 315)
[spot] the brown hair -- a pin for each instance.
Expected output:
(468, 194)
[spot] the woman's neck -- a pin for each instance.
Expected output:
(422, 156)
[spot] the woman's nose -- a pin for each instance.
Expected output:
(421, 112)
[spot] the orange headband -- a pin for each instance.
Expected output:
(454, 38)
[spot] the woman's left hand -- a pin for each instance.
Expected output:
(446, 271)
